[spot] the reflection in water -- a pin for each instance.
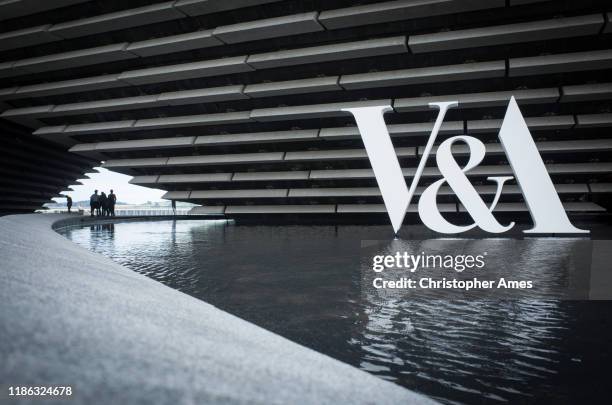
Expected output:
(310, 285)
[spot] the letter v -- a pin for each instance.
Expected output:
(383, 158)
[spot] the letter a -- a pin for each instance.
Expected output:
(544, 205)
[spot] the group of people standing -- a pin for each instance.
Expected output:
(102, 204)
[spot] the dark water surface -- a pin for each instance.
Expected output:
(307, 284)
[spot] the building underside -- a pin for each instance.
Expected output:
(235, 105)
(33, 171)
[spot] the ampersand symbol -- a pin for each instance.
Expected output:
(455, 176)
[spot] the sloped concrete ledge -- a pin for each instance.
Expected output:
(72, 317)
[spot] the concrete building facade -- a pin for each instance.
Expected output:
(236, 105)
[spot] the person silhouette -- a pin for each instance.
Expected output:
(69, 203)
(103, 204)
(112, 200)
(94, 203)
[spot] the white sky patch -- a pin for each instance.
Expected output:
(106, 180)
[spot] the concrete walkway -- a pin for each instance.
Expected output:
(72, 317)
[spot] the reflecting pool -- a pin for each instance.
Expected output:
(309, 284)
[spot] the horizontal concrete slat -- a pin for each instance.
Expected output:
(194, 178)
(38, 111)
(201, 7)
(585, 145)
(594, 120)
(118, 20)
(415, 129)
(17, 8)
(143, 180)
(192, 120)
(138, 162)
(33, 167)
(269, 28)
(552, 122)
(515, 189)
(125, 103)
(465, 71)
(587, 92)
(341, 174)
(601, 187)
(174, 43)
(71, 59)
(558, 168)
(176, 195)
(567, 62)
(206, 95)
(21, 207)
(208, 210)
(238, 158)
(311, 111)
(256, 137)
(190, 70)
(334, 192)
(73, 165)
(145, 144)
(7, 92)
(6, 69)
(568, 206)
(509, 33)
(271, 176)
(26, 201)
(318, 84)
(579, 146)
(68, 86)
(56, 133)
(280, 209)
(341, 154)
(380, 208)
(53, 129)
(232, 194)
(477, 100)
(327, 53)
(98, 127)
(25, 120)
(400, 10)
(26, 37)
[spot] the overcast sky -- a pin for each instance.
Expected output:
(106, 180)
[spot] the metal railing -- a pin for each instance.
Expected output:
(127, 211)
